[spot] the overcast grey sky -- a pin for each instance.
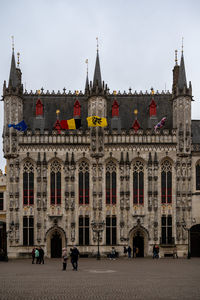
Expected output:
(137, 40)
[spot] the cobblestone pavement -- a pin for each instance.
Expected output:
(105, 279)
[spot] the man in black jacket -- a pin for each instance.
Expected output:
(74, 258)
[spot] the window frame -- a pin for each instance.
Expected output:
(138, 183)
(84, 230)
(28, 184)
(84, 184)
(111, 230)
(111, 184)
(166, 182)
(28, 231)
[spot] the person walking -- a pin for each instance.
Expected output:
(74, 258)
(129, 251)
(64, 258)
(37, 256)
(33, 255)
(41, 252)
(125, 250)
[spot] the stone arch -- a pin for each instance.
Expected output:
(142, 232)
(49, 235)
(167, 158)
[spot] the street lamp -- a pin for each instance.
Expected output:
(98, 227)
(188, 235)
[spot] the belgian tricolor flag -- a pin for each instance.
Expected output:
(70, 124)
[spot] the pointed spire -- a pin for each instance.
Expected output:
(38, 160)
(87, 79)
(127, 158)
(72, 159)
(13, 80)
(150, 159)
(44, 160)
(122, 159)
(67, 159)
(97, 72)
(182, 76)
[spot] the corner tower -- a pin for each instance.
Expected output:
(13, 108)
(182, 97)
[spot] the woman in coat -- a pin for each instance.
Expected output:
(64, 258)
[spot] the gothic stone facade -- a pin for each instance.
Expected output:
(142, 183)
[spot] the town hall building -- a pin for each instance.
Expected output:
(125, 184)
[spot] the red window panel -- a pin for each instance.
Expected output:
(152, 108)
(77, 109)
(39, 108)
(115, 109)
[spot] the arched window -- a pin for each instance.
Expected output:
(39, 108)
(138, 183)
(115, 109)
(152, 108)
(111, 186)
(28, 183)
(77, 109)
(55, 183)
(84, 183)
(166, 182)
(198, 176)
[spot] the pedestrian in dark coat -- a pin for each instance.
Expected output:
(33, 255)
(41, 252)
(74, 258)
(129, 251)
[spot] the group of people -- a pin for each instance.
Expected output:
(129, 251)
(38, 255)
(74, 254)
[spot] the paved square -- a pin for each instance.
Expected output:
(105, 279)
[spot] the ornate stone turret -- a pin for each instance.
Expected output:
(182, 97)
(13, 109)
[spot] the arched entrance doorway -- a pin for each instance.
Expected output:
(138, 244)
(138, 238)
(55, 239)
(56, 245)
(195, 240)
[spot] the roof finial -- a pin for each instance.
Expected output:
(152, 91)
(12, 37)
(86, 61)
(176, 60)
(18, 54)
(97, 44)
(57, 113)
(182, 45)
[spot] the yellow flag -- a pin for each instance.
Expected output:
(71, 124)
(95, 121)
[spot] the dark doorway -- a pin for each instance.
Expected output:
(195, 240)
(56, 245)
(138, 242)
(3, 241)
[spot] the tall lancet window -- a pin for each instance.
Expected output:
(28, 183)
(111, 183)
(198, 176)
(138, 183)
(39, 108)
(55, 183)
(166, 182)
(84, 183)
